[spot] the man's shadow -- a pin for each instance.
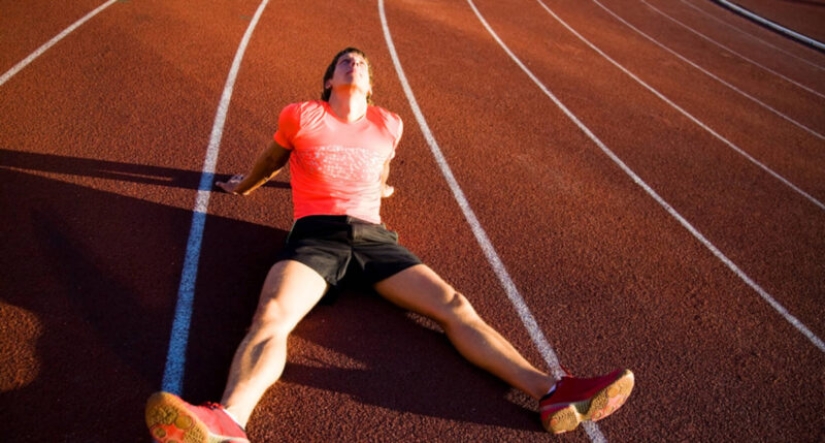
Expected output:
(405, 363)
(382, 355)
(90, 280)
(88, 290)
(105, 169)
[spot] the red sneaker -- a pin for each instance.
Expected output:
(580, 399)
(172, 420)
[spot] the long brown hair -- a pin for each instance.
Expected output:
(331, 71)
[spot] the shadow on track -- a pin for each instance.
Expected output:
(127, 172)
(404, 363)
(89, 286)
(88, 291)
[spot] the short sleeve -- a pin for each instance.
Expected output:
(288, 124)
(397, 132)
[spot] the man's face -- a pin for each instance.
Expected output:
(351, 70)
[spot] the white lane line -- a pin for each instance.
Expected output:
(681, 110)
(523, 311)
(481, 236)
(751, 36)
(753, 62)
(661, 201)
(775, 26)
(176, 355)
(37, 53)
(713, 76)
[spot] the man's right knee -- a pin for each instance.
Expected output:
(290, 291)
(274, 319)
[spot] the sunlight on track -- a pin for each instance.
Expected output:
(176, 356)
(18, 67)
(661, 201)
(21, 365)
(690, 116)
(711, 75)
(481, 236)
(490, 253)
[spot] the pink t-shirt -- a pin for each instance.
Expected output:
(336, 166)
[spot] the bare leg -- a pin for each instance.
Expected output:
(421, 290)
(290, 291)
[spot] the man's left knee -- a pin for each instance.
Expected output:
(460, 309)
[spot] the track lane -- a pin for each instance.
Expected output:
(728, 84)
(26, 26)
(608, 241)
(482, 187)
(705, 173)
(684, 20)
(98, 146)
(669, 75)
(747, 32)
(753, 304)
(803, 17)
(340, 396)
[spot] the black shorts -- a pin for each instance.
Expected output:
(340, 246)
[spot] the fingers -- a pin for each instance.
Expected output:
(231, 184)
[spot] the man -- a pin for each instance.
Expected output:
(339, 149)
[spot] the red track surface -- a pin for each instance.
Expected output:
(102, 140)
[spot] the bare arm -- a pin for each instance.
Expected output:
(268, 165)
(386, 190)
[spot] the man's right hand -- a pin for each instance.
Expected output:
(232, 184)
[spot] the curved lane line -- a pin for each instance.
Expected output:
(690, 116)
(516, 299)
(753, 62)
(46, 46)
(661, 201)
(481, 236)
(176, 355)
(713, 76)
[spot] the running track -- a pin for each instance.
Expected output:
(632, 183)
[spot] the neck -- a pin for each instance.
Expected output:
(348, 107)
